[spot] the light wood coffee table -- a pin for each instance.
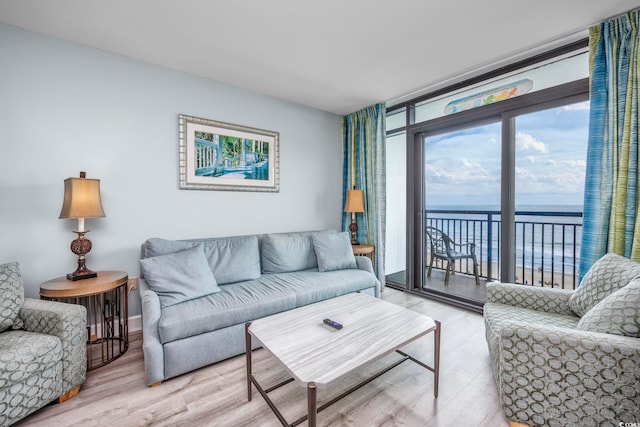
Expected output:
(316, 354)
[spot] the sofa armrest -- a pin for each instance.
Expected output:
(567, 376)
(541, 299)
(69, 323)
(151, 345)
(364, 263)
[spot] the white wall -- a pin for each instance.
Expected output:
(396, 234)
(66, 108)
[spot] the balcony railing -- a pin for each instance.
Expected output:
(547, 243)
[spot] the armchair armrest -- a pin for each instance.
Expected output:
(541, 299)
(566, 376)
(69, 323)
(151, 345)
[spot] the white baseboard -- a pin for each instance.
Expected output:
(135, 323)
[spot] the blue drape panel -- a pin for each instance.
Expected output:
(610, 200)
(364, 168)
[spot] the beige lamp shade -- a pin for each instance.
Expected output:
(81, 198)
(354, 201)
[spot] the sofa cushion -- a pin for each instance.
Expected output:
(618, 314)
(313, 286)
(231, 259)
(235, 303)
(282, 253)
(11, 296)
(179, 276)
(334, 251)
(607, 275)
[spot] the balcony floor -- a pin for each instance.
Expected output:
(460, 285)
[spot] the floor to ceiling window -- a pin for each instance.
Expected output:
(497, 166)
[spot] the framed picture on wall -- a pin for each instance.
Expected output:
(223, 156)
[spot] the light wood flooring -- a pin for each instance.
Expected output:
(117, 395)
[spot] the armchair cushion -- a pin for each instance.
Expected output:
(618, 314)
(607, 275)
(30, 373)
(11, 296)
(24, 354)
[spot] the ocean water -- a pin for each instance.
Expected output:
(547, 237)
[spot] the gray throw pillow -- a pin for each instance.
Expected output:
(334, 251)
(282, 253)
(180, 276)
(11, 296)
(618, 314)
(232, 259)
(607, 275)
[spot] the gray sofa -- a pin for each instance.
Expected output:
(568, 358)
(197, 294)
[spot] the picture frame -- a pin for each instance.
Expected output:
(223, 156)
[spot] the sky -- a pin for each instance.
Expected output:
(463, 167)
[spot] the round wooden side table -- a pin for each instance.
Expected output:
(365, 249)
(105, 298)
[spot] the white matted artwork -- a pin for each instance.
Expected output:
(223, 156)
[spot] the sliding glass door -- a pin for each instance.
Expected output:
(501, 199)
(462, 202)
(549, 181)
(494, 163)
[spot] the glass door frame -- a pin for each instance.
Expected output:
(505, 112)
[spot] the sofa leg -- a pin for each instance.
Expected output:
(156, 384)
(517, 424)
(68, 395)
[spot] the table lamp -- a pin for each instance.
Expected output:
(354, 205)
(81, 200)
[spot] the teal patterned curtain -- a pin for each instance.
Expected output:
(610, 219)
(364, 168)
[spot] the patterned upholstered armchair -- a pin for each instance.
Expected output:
(42, 349)
(568, 358)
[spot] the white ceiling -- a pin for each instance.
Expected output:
(335, 55)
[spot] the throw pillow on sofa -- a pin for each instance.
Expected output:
(11, 296)
(231, 259)
(180, 276)
(618, 314)
(334, 251)
(286, 252)
(607, 275)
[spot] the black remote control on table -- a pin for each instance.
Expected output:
(332, 323)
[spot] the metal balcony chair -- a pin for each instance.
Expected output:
(445, 249)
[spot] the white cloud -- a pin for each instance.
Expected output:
(527, 142)
(523, 173)
(462, 176)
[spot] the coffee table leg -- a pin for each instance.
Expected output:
(436, 358)
(247, 338)
(311, 403)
